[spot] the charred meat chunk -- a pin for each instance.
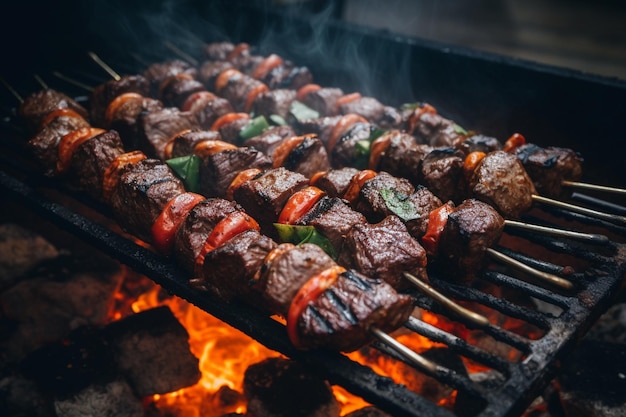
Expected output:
(274, 102)
(471, 228)
(37, 106)
(374, 197)
(346, 151)
(335, 182)
(442, 172)
(434, 130)
(158, 127)
(141, 193)
(501, 181)
(322, 127)
(211, 111)
(403, 156)
(308, 157)
(126, 116)
(184, 143)
(103, 94)
(159, 71)
(210, 70)
(480, 143)
(324, 100)
(175, 89)
(384, 250)
(422, 202)
(270, 138)
(342, 316)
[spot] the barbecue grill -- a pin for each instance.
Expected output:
(488, 93)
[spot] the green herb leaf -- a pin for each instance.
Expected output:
(411, 106)
(458, 129)
(278, 120)
(254, 128)
(399, 204)
(299, 235)
(188, 169)
(361, 154)
(302, 112)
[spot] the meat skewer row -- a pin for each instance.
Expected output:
(285, 279)
(439, 131)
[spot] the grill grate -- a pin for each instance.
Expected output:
(514, 384)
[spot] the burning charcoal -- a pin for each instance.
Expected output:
(151, 349)
(68, 293)
(20, 251)
(278, 387)
(593, 381)
(368, 412)
(21, 397)
(115, 398)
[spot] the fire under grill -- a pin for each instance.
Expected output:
(558, 317)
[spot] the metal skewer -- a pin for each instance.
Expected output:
(458, 309)
(104, 66)
(589, 237)
(41, 81)
(583, 210)
(12, 90)
(545, 276)
(412, 357)
(594, 187)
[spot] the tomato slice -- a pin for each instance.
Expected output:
(305, 90)
(377, 148)
(170, 219)
(56, 114)
(71, 141)
(471, 162)
(253, 94)
(515, 141)
(225, 76)
(169, 146)
(272, 61)
(316, 177)
(283, 150)
(239, 49)
(228, 118)
(307, 294)
(299, 204)
(417, 114)
(345, 99)
(242, 177)
(357, 182)
(210, 147)
(112, 173)
(342, 127)
(437, 220)
(115, 104)
(230, 226)
(166, 82)
(196, 101)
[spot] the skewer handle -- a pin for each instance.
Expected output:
(550, 278)
(458, 309)
(594, 187)
(414, 358)
(105, 67)
(583, 210)
(589, 237)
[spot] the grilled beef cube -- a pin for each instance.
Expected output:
(403, 156)
(210, 70)
(269, 139)
(324, 100)
(229, 270)
(501, 181)
(184, 143)
(197, 226)
(391, 119)
(549, 167)
(437, 131)
(44, 144)
(103, 94)
(322, 127)
(288, 272)
(341, 317)
(175, 89)
(422, 202)
(480, 143)
(384, 250)
(368, 107)
(333, 218)
(295, 78)
(212, 110)
(441, 171)
(237, 89)
(230, 131)
(308, 157)
(264, 197)
(37, 106)
(276, 102)
(218, 170)
(371, 199)
(91, 159)
(218, 51)
(125, 119)
(336, 181)
(141, 194)
(156, 128)
(346, 153)
(159, 71)
(471, 228)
